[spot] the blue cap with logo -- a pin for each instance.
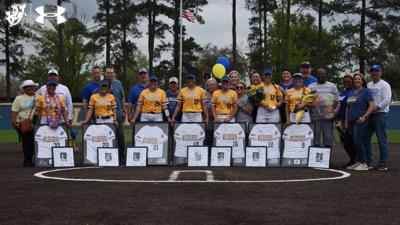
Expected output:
(298, 75)
(153, 78)
(104, 83)
(376, 67)
(51, 82)
(225, 78)
(190, 75)
(267, 72)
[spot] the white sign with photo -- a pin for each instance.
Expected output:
(136, 156)
(221, 156)
(197, 155)
(256, 156)
(108, 156)
(63, 157)
(319, 157)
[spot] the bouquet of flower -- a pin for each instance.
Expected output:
(256, 94)
(310, 98)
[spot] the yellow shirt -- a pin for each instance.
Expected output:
(224, 102)
(102, 105)
(294, 96)
(191, 99)
(272, 94)
(42, 107)
(152, 101)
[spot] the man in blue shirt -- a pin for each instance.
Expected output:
(118, 91)
(90, 88)
(172, 95)
(135, 91)
(305, 69)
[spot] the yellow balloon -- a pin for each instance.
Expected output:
(218, 70)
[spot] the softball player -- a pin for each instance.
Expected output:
(268, 111)
(104, 106)
(192, 100)
(223, 102)
(293, 100)
(152, 102)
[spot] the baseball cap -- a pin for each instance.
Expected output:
(190, 75)
(298, 75)
(267, 72)
(51, 82)
(348, 74)
(52, 71)
(173, 79)
(153, 78)
(142, 70)
(225, 78)
(305, 64)
(104, 82)
(376, 67)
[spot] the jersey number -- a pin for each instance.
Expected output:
(196, 101)
(105, 145)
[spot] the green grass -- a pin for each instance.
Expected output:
(11, 137)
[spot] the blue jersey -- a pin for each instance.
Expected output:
(171, 101)
(135, 91)
(343, 103)
(89, 89)
(310, 80)
(286, 87)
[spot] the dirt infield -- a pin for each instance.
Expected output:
(370, 197)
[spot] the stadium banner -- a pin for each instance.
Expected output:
(187, 134)
(233, 135)
(45, 139)
(221, 156)
(108, 157)
(256, 156)
(197, 156)
(154, 136)
(63, 156)
(136, 156)
(297, 138)
(97, 136)
(267, 135)
(319, 157)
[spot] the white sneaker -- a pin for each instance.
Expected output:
(353, 166)
(361, 166)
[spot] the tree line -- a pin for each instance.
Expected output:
(340, 35)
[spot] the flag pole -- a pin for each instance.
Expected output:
(180, 44)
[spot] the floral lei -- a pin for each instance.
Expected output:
(53, 122)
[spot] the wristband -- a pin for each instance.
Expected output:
(166, 111)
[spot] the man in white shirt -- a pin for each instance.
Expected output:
(61, 90)
(382, 94)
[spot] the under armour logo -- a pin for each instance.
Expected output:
(57, 14)
(16, 14)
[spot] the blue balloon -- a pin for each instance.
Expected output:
(224, 61)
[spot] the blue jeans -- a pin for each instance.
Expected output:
(377, 124)
(359, 132)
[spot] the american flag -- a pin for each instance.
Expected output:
(189, 15)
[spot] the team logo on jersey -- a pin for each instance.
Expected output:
(15, 15)
(224, 98)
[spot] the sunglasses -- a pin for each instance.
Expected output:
(239, 87)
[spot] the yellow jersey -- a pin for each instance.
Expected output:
(224, 102)
(41, 105)
(191, 99)
(294, 96)
(102, 105)
(272, 94)
(152, 101)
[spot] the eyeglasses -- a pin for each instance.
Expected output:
(239, 87)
